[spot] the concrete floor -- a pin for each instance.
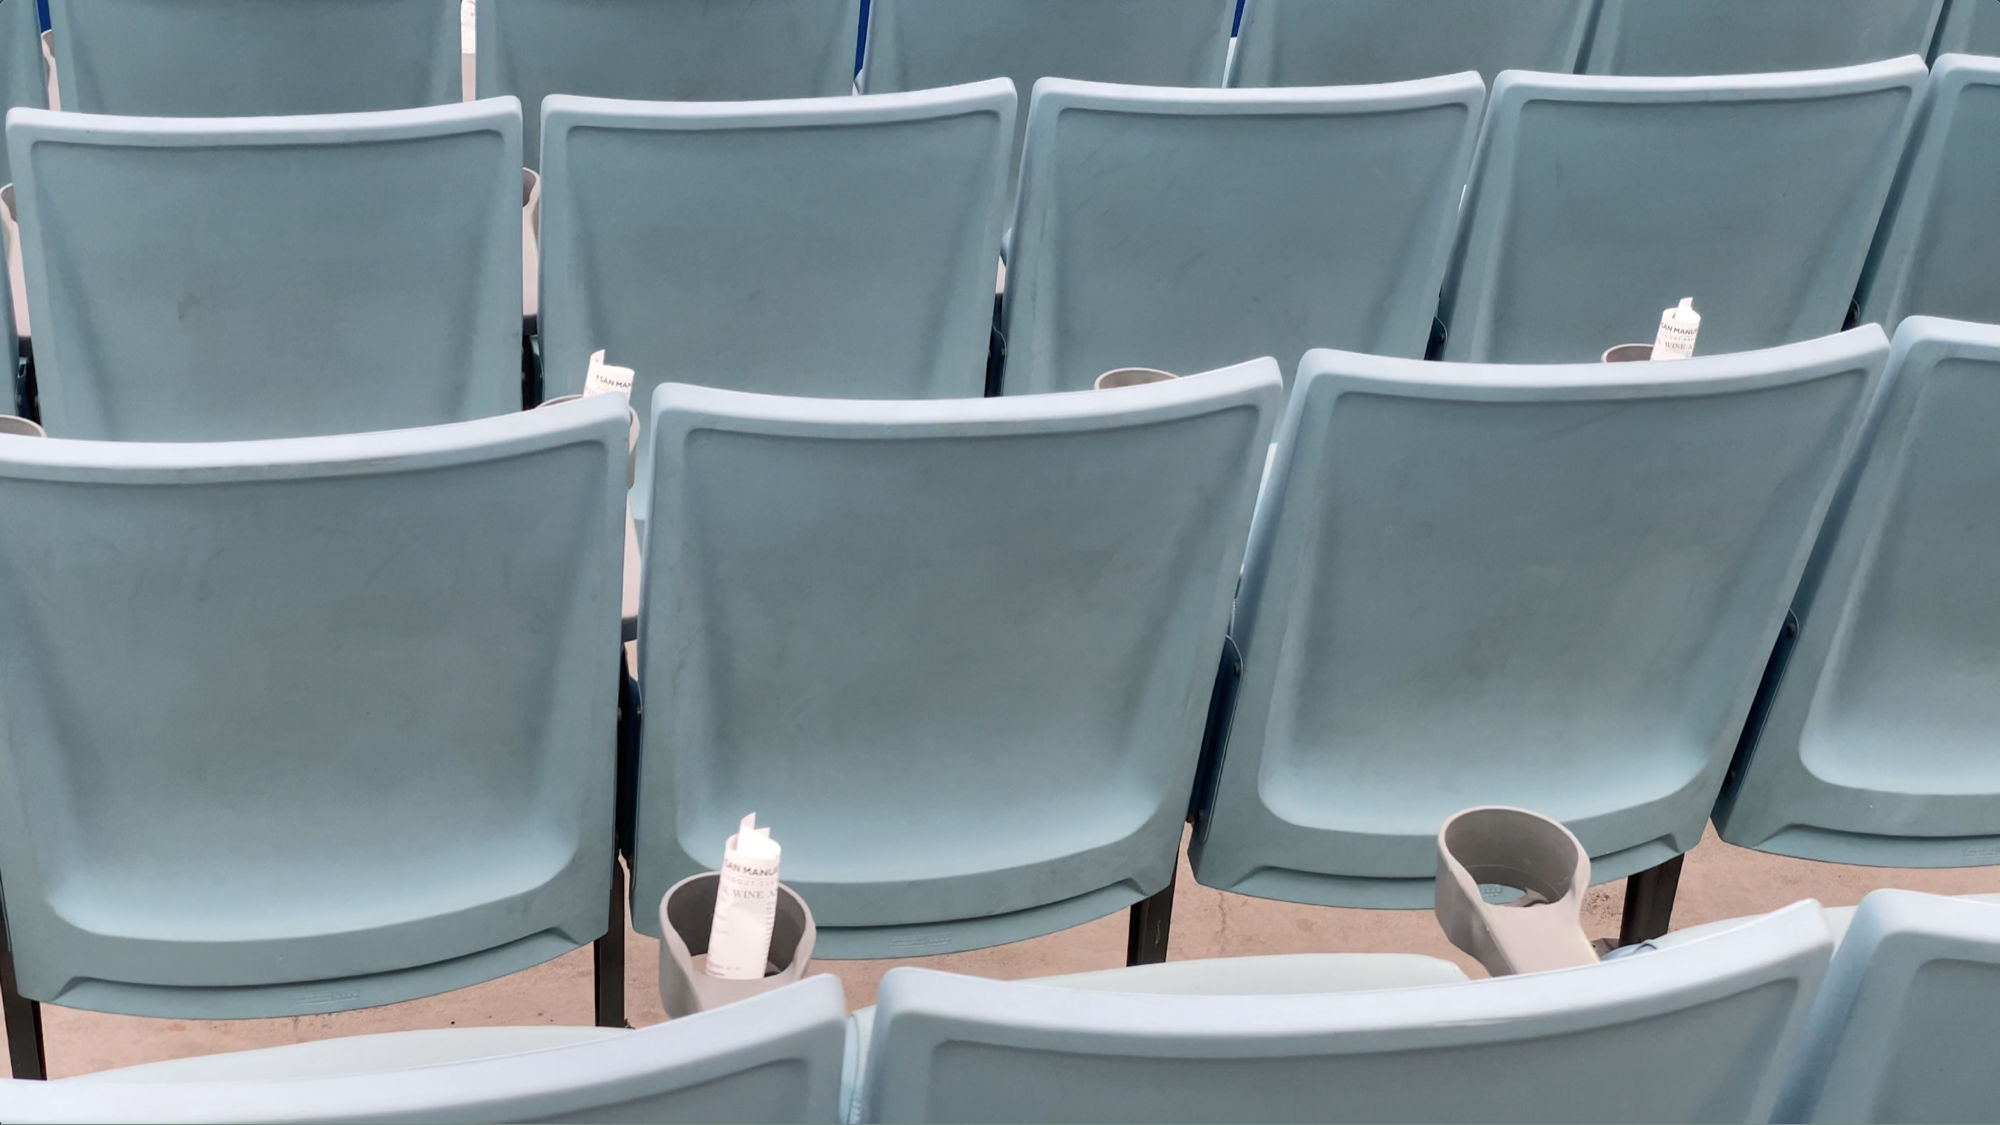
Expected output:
(1719, 881)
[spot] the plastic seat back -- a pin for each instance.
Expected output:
(272, 277)
(306, 725)
(1739, 37)
(1597, 202)
(227, 58)
(665, 50)
(1187, 229)
(1875, 746)
(1934, 253)
(915, 44)
(1904, 1026)
(834, 247)
(771, 1058)
(22, 81)
(957, 654)
(1695, 1033)
(1338, 42)
(1546, 587)
(1970, 27)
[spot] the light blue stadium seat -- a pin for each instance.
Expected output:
(224, 58)
(22, 81)
(1696, 1033)
(1876, 744)
(1334, 42)
(1271, 975)
(1189, 229)
(1936, 251)
(1752, 36)
(210, 280)
(665, 50)
(834, 247)
(1597, 202)
(914, 44)
(1838, 918)
(1970, 27)
(1904, 1027)
(775, 1058)
(1549, 587)
(958, 654)
(307, 725)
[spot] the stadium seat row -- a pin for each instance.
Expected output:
(1747, 1025)
(122, 55)
(328, 722)
(134, 56)
(846, 247)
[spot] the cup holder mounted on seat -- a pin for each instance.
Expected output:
(1511, 847)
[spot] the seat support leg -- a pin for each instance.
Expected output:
(1649, 902)
(23, 1016)
(607, 957)
(1150, 923)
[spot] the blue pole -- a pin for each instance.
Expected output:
(861, 35)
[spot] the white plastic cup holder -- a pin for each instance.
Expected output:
(1540, 930)
(1132, 377)
(13, 425)
(686, 912)
(1628, 353)
(631, 434)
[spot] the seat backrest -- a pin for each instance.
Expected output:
(665, 50)
(956, 653)
(22, 81)
(1875, 748)
(1934, 253)
(272, 277)
(227, 58)
(1337, 42)
(1546, 587)
(842, 247)
(915, 44)
(1187, 229)
(1904, 1026)
(774, 1057)
(305, 725)
(1693, 1033)
(1597, 202)
(1970, 27)
(1739, 37)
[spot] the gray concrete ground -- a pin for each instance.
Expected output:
(1719, 881)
